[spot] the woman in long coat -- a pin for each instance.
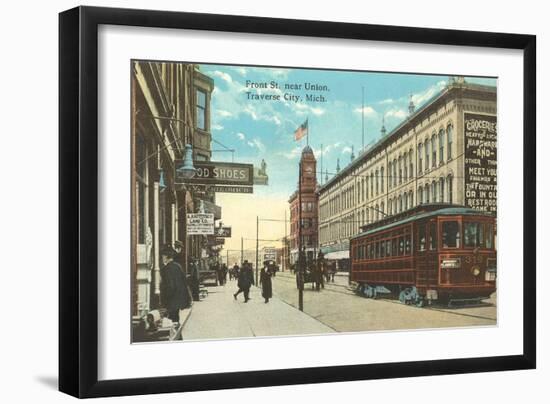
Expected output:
(265, 280)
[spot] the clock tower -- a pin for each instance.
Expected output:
(307, 214)
(309, 170)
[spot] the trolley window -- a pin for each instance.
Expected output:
(450, 237)
(407, 245)
(489, 235)
(473, 234)
(433, 236)
(422, 237)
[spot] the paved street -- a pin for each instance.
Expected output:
(340, 309)
(220, 316)
(333, 309)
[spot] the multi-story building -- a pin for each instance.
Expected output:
(170, 108)
(308, 215)
(437, 154)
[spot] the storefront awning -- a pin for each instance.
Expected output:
(337, 255)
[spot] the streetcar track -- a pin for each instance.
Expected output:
(349, 292)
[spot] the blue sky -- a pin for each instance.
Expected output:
(264, 129)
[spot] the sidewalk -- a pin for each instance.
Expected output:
(220, 316)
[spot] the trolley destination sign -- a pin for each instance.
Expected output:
(217, 173)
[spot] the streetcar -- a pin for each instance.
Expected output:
(432, 252)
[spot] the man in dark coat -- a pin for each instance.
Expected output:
(195, 279)
(265, 280)
(174, 292)
(245, 280)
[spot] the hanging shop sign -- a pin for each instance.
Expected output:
(233, 189)
(200, 224)
(217, 173)
(223, 231)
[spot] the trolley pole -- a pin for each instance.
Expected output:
(257, 233)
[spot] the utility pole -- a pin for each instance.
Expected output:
(257, 233)
(242, 251)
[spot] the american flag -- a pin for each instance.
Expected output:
(301, 131)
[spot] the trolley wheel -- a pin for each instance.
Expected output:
(402, 296)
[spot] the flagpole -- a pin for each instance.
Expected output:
(307, 136)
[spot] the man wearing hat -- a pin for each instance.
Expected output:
(245, 281)
(174, 292)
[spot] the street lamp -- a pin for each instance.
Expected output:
(187, 170)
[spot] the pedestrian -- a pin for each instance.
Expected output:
(195, 279)
(180, 254)
(174, 291)
(265, 279)
(236, 271)
(321, 269)
(245, 281)
(224, 271)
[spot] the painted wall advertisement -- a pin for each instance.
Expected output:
(480, 161)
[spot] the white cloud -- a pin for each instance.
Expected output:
(423, 96)
(217, 127)
(317, 111)
(224, 76)
(346, 149)
(387, 101)
(257, 143)
(368, 111)
(223, 113)
(241, 135)
(293, 153)
(396, 113)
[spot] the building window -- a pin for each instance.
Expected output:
(427, 193)
(405, 175)
(449, 141)
(434, 152)
(450, 189)
(427, 153)
(201, 110)
(394, 173)
(420, 158)
(377, 183)
(400, 170)
(382, 179)
(441, 145)
(441, 190)
(382, 207)
(410, 164)
(420, 195)
(411, 200)
(434, 192)
(406, 201)
(390, 207)
(371, 185)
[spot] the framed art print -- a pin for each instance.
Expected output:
(280, 188)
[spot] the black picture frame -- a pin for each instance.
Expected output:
(78, 196)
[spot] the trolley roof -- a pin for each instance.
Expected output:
(420, 212)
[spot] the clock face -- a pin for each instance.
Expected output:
(309, 169)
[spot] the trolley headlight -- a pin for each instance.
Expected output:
(476, 271)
